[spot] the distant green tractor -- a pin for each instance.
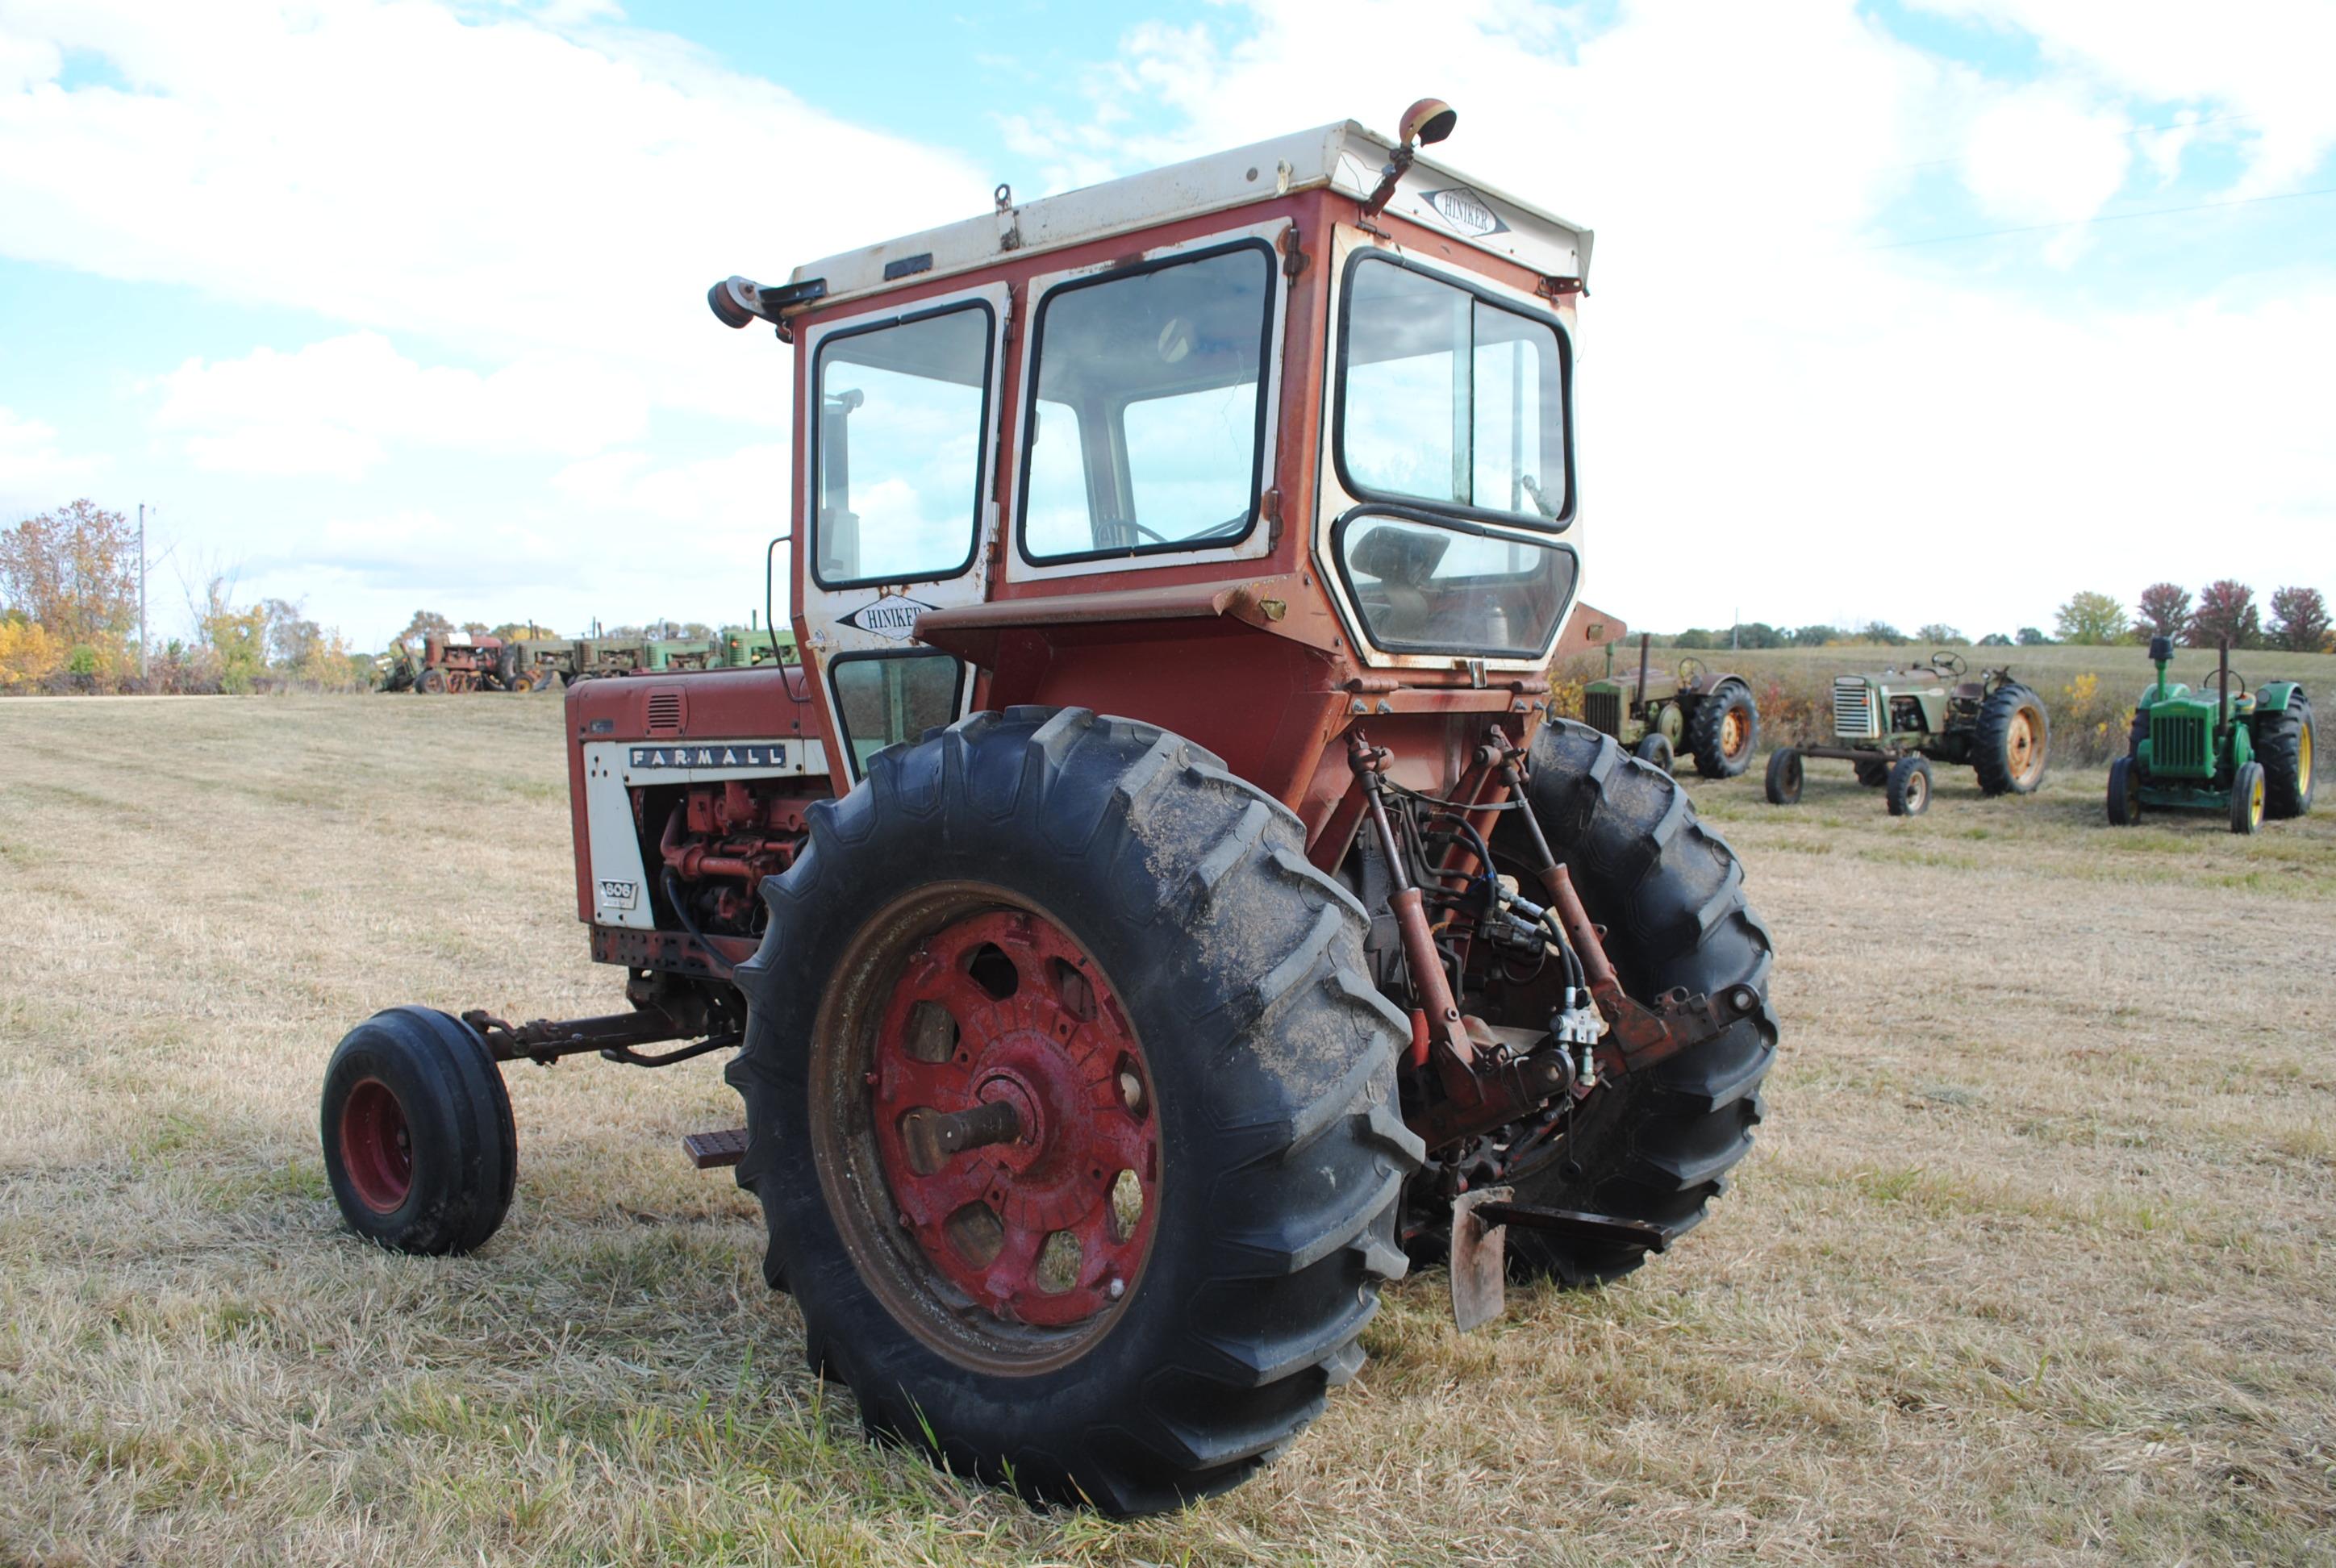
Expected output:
(1662, 715)
(1893, 724)
(2248, 753)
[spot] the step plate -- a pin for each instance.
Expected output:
(708, 1151)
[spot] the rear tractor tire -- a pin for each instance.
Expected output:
(1725, 731)
(2009, 747)
(2285, 746)
(1783, 784)
(1653, 1145)
(1104, 968)
(432, 681)
(419, 1143)
(1909, 789)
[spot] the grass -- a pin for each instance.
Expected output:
(2030, 1264)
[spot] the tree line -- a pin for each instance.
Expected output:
(2299, 623)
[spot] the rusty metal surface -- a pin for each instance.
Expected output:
(1479, 1259)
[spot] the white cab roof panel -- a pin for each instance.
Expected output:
(1345, 157)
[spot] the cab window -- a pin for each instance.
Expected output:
(904, 416)
(1145, 427)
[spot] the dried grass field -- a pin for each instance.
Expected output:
(2031, 1264)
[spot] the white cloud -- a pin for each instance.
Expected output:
(2265, 65)
(32, 465)
(519, 185)
(335, 407)
(2033, 157)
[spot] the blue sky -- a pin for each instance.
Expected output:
(392, 305)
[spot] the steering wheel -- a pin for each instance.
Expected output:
(2214, 677)
(1949, 664)
(1691, 670)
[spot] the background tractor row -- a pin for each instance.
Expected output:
(1892, 724)
(1160, 906)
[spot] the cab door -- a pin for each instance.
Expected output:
(897, 509)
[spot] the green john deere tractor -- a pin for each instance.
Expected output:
(2246, 752)
(1892, 725)
(1662, 715)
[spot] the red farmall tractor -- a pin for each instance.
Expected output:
(1161, 904)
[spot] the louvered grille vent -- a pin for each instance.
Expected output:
(2178, 744)
(1853, 708)
(1603, 711)
(665, 713)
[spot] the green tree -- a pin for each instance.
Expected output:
(1881, 631)
(2299, 620)
(2030, 637)
(1995, 639)
(237, 637)
(1816, 636)
(2091, 619)
(2227, 610)
(1939, 634)
(424, 623)
(1694, 637)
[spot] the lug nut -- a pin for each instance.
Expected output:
(1115, 1286)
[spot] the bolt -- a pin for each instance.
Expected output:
(906, 1223)
(1115, 1286)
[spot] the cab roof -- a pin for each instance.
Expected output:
(1346, 156)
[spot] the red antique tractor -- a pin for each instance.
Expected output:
(1159, 905)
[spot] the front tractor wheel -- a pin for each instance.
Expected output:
(2008, 750)
(2125, 793)
(419, 1143)
(1908, 791)
(1725, 731)
(1783, 784)
(2247, 799)
(1071, 1109)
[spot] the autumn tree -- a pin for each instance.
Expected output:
(1938, 634)
(74, 571)
(424, 623)
(2299, 620)
(2090, 619)
(2227, 610)
(2164, 611)
(237, 638)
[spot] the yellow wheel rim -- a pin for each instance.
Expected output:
(2303, 761)
(2255, 800)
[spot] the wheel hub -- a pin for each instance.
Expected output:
(377, 1149)
(1012, 1117)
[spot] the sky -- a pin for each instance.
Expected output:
(1916, 310)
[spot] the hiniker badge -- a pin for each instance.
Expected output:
(890, 616)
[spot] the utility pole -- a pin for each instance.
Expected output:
(141, 591)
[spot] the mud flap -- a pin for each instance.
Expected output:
(1480, 1259)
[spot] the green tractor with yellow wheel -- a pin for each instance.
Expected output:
(1664, 715)
(2246, 752)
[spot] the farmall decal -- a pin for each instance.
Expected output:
(725, 753)
(1466, 211)
(892, 616)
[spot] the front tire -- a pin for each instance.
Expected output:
(2125, 793)
(1908, 791)
(1655, 751)
(419, 1142)
(1224, 977)
(1656, 1144)
(1725, 731)
(2247, 792)
(1783, 784)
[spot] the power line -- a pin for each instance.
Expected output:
(2097, 218)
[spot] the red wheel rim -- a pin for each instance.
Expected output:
(1048, 1226)
(375, 1150)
